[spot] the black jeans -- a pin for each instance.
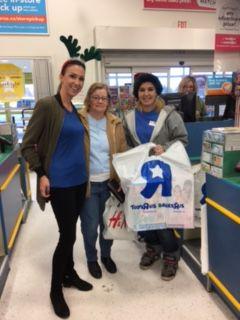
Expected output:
(164, 238)
(66, 204)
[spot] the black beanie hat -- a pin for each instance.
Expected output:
(140, 78)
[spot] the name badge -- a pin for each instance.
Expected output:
(152, 123)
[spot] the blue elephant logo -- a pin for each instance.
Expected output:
(156, 172)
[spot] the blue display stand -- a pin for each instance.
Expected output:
(223, 214)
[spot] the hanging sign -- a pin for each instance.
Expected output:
(227, 37)
(191, 5)
(23, 17)
(11, 83)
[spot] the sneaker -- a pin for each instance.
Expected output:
(109, 264)
(148, 258)
(170, 266)
(94, 269)
(73, 280)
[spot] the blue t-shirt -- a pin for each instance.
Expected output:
(68, 164)
(145, 123)
(99, 146)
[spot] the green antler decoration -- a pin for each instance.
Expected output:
(91, 54)
(73, 49)
(72, 46)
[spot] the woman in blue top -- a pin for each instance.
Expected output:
(106, 138)
(152, 121)
(54, 147)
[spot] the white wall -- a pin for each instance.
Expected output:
(80, 17)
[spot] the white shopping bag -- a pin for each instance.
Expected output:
(115, 226)
(159, 190)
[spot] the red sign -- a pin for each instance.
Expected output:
(227, 42)
(191, 5)
(182, 24)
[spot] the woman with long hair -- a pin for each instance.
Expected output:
(54, 147)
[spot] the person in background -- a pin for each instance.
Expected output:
(229, 112)
(53, 145)
(121, 110)
(152, 121)
(189, 85)
(106, 138)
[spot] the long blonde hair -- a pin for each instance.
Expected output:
(185, 81)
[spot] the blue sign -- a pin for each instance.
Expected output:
(23, 17)
(156, 172)
(216, 82)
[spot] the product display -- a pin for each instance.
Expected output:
(221, 151)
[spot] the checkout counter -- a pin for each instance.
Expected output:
(223, 227)
(223, 213)
(15, 199)
(191, 238)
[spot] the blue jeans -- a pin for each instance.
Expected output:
(92, 217)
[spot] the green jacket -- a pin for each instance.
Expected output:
(200, 108)
(40, 139)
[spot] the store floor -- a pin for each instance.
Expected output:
(130, 294)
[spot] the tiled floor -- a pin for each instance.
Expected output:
(130, 294)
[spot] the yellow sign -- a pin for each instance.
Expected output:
(11, 83)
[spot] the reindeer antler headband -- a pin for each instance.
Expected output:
(73, 49)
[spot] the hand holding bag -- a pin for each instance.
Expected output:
(159, 189)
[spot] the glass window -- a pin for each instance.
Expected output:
(174, 82)
(170, 77)
(205, 73)
(164, 82)
(160, 74)
(124, 81)
(179, 71)
(119, 78)
(112, 82)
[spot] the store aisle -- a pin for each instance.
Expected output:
(130, 294)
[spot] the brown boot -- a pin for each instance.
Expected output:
(170, 266)
(148, 258)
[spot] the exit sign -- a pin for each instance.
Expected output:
(182, 24)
